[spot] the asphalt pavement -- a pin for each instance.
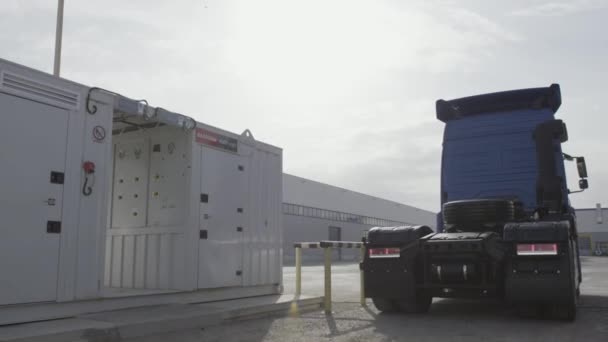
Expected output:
(448, 320)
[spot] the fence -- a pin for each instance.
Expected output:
(327, 247)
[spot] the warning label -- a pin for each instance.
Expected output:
(99, 134)
(206, 137)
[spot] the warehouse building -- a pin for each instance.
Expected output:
(314, 211)
(593, 230)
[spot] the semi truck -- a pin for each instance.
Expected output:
(506, 228)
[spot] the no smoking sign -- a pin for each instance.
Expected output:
(99, 134)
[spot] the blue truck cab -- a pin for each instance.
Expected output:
(506, 228)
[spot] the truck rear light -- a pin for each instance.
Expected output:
(384, 252)
(536, 249)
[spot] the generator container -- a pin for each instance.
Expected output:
(106, 196)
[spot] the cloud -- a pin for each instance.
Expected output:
(346, 87)
(555, 9)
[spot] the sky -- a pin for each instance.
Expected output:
(346, 87)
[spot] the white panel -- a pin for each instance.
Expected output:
(108, 261)
(178, 264)
(249, 226)
(225, 186)
(169, 168)
(130, 183)
(128, 261)
(277, 221)
(140, 261)
(152, 261)
(258, 233)
(38, 91)
(91, 220)
(28, 198)
(116, 268)
(165, 258)
(155, 165)
(267, 219)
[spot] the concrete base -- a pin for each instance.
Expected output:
(23, 313)
(137, 322)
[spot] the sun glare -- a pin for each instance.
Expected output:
(313, 48)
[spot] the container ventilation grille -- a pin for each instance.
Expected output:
(36, 90)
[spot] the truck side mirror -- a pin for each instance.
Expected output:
(583, 184)
(582, 167)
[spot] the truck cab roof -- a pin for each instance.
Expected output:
(488, 146)
(512, 100)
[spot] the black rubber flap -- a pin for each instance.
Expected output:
(392, 236)
(537, 231)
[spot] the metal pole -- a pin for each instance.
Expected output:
(298, 271)
(327, 252)
(58, 37)
(362, 298)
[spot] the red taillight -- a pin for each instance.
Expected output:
(537, 249)
(384, 252)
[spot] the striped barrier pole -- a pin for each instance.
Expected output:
(298, 271)
(298, 246)
(327, 249)
(327, 246)
(361, 275)
(327, 252)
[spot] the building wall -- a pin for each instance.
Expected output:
(310, 208)
(593, 230)
(297, 190)
(304, 229)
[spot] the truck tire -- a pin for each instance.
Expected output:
(421, 304)
(479, 211)
(385, 305)
(564, 311)
(569, 312)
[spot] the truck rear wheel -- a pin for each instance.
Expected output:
(564, 312)
(385, 304)
(421, 304)
(568, 312)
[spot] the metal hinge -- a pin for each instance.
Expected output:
(203, 234)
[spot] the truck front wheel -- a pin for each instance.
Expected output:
(385, 304)
(420, 304)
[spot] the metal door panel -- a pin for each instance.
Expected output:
(33, 140)
(220, 248)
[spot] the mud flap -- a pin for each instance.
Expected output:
(540, 278)
(393, 277)
(389, 279)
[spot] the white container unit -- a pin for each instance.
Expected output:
(171, 205)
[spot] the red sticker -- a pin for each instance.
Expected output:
(207, 137)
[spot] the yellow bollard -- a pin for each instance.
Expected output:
(327, 252)
(362, 298)
(298, 271)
